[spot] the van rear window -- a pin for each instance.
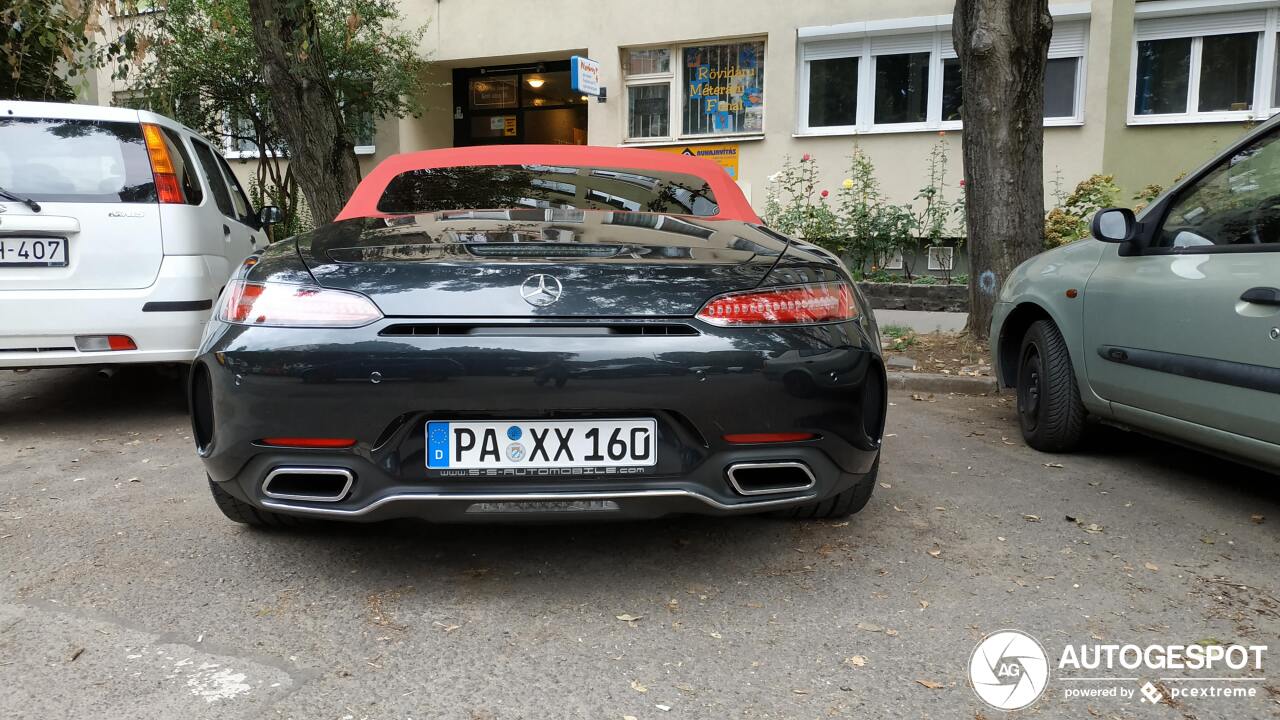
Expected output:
(57, 160)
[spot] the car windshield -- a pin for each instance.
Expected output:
(75, 160)
(493, 187)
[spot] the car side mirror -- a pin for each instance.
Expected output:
(1114, 225)
(270, 215)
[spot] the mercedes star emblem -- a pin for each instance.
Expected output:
(541, 290)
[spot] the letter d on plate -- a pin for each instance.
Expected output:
(438, 445)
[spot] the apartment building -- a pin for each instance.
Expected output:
(1143, 90)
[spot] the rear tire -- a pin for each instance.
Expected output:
(242, 512)
(1050, 412)
(840, 505)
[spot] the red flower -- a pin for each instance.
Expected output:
(804, 158)
(825, 193)
(961, 183)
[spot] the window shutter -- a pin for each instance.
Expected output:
(901, 44)
(1192, 25)
(827, 49)
(948, 48)
(1068, 39)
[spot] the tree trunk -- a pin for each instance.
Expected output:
(304, 104)
(1002, 46)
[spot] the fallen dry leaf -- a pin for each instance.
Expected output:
(1031, 518)
(1151, 566)
(856, 661)
(935, 552)
(1257, 519)
(931, 684)
(628, 618)
(638, 687)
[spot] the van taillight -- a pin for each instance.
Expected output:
(166, 177)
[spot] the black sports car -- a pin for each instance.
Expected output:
(540, 332)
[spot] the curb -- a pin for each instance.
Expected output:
(936, 383)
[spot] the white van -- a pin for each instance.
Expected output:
(118, 229)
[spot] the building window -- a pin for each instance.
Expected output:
(1204, 66)
(648, 111)
(833, 92)
(1061, 75)
(858, 81)
(902, 88)
(710, 89)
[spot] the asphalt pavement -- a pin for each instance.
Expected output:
(125, 594)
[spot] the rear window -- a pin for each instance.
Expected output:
(75, 160)
(495, 187)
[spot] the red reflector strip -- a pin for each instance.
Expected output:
(121, 342)
(746, 438)
(297, 442)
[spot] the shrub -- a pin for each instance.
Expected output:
(794, 205)
(862, 225)
(1068, 221)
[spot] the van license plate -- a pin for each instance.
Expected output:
(33, 252)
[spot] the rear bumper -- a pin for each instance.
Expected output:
(38, 327)
(375, 496)
(262, 382)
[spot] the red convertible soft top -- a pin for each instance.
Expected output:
(733, 204)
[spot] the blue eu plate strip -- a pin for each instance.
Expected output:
(438, 445)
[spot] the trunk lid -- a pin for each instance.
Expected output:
(92, 180)
(539, 263)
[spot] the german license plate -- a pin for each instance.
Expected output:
(453, 445)
(33, 252)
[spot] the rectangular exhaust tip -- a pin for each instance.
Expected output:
(770, 478)
(308, 484)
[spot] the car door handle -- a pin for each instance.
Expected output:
(1262, 296)
(226, 230)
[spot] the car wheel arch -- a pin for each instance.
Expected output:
(1012, 331)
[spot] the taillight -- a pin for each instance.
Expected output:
(168, 189)
(790, 305)
(104, 343)
(281, 305)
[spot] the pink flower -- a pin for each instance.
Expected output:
(804, 158)
(825, 193)
(961, 183)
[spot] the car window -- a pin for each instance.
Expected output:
(218, 186)
(504, 187)
(1236, 204)
(244, 208)
(57, 160)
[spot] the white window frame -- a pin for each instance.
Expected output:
(937, 29)
(675, 76)
(1208, 19)
(230, 152)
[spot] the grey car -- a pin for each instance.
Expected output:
(1167, 322)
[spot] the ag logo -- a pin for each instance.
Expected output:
(1009, 670)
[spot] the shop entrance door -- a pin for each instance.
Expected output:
(516, 105)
